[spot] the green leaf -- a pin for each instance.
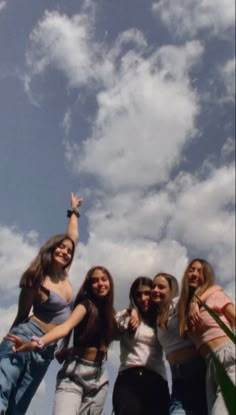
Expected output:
(226, 329)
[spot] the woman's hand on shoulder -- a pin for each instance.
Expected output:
(194, 316)
(21, 345)
(134, 320)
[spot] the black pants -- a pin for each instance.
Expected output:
(140, 391)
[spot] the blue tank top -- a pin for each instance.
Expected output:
(54, 310)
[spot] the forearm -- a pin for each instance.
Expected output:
(73, 214)
(73, 228)
(55, 334)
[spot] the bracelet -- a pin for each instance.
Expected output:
(40, 343)
(73, 211)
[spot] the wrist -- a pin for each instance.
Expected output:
(197, 300)
(38, 341)
(73, 211)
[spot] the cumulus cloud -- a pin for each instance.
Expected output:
(228, 149)
(146, 105)
(143, 120)
(2, 5)
(142, 218)
(16, 251)
(227, 73)
(189, 17)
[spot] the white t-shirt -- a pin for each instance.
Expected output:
(139, 348)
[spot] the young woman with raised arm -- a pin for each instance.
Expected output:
(45, 288)
(82, 382)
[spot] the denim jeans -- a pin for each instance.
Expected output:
(81, 387)
(21, 373)
(226, 355)
(188, 395)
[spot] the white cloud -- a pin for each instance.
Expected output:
(227, 73)
(188, 17)
(143, 120)
(3, 4)
(16, 251)
(228, 148)
(146, 105)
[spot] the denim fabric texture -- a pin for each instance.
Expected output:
(81, 387)
(21, 373)
(188, 395)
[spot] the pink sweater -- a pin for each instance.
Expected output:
(209, 329)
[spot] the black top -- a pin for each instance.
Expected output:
(94, 337)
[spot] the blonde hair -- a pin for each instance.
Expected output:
(187, 294)
(163, 313)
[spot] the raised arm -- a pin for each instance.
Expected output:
(73, 214)
(53, 335)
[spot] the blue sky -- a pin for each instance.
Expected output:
(129, 104)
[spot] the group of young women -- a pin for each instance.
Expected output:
(157, 324)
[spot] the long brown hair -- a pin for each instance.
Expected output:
(139, 282)
(163, 313)
(187, 294)
(99, 308)
(42, 264)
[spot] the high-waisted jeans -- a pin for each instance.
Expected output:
(189, 387)
(81, 387)
(21, 373)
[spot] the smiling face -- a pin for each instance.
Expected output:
(161, 290)
(62, 254)
(100, 283)
(142, 298)
(195, 275)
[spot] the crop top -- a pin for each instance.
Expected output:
(169, 338)
(94, 337)
(210, 329)
(139, 348)
(54, 310)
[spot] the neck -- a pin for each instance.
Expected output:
(57, 275)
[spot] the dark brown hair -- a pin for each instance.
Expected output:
(140, 282)
(187, 293)
(102, 308)
(42, 264)
(163, 313)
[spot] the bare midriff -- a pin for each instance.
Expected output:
(212, 344)
(45, 326)
(181, 355)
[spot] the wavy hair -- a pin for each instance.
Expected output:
(42, 264)
(187, 293)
